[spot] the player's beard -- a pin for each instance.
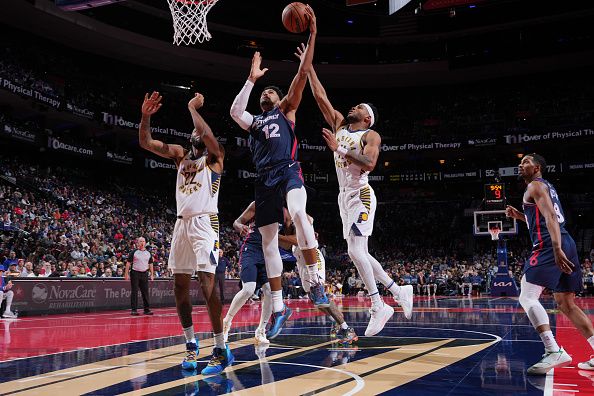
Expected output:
(352, 118)
(266, 103)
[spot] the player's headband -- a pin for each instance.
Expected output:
(370, 114)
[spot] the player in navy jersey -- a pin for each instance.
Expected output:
(553, 264)
(274, 150)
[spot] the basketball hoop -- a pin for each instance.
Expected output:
(494, 233)
(189, 20)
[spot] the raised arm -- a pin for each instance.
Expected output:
(202, 128)
(150, 106)
(290, 102)
(334, 118)
(365, 160)
(539, 192)
(241, 223)
(238, 113)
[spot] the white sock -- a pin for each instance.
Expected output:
(277, 300)
(189, 334)
(376, 299)
(549, 341)
(312, 271)
(591, 341)
(219, 341)
(394, 288)
(344, 326)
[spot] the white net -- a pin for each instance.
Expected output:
(494, 233)
(189, 20)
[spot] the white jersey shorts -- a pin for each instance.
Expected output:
(302, 268)
(357, 211)
(195, 245)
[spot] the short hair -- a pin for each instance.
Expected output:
(539, 159)
(276, 89)
(375, 113)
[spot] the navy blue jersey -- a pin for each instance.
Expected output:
(272, 140)
(254, 237)
(537, 226)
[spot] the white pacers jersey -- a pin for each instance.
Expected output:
(350, 175)
(197, 187)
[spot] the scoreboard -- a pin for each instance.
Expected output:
(495, 196)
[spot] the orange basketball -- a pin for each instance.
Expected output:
(295, 19)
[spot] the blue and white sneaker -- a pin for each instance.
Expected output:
(279, 319)
(221, 358)
(318, 296)
(190, 361)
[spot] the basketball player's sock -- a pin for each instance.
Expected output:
(189, 334)
(219, 340)
(591, 342)
(376, 299)
(312, 271)
(277, 300)
(344, 326)
(266, 306)
(549, 341)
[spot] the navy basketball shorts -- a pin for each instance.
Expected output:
(253, 269)
(272, 187)
(540, 269)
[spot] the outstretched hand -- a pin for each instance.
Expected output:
(197, 101)
(330, 139)
(151, 104)
(256, 72)
(300, 52)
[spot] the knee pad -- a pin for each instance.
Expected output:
(266, 289)
(306, 236)
(249, 288)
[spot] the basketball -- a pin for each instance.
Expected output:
(295, 19)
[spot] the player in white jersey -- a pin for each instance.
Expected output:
(356, 148)
(195, 242)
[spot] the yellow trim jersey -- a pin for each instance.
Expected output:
(197, 187)
(349, 174)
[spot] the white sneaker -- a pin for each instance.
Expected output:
(255, 297)
(549, 361)
(261, 336)
(405, 298)
(587, 365)
(9, 315)
(380, 314)
(226, 329)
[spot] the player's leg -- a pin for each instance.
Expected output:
(404, 295)
(554, 356)
(274, 268)
(204, 237)
(306, 239)
(265, 314)
(182, 263)
(248, 287)
(247, 290)
(183, 305)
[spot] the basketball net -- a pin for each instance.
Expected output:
(189, 20)
(494, 233)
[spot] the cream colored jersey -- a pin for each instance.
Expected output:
(350, 175)
(197, 187)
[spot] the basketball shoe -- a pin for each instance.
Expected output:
(549, 361)
(380, 314)
(405, 299)
(278, 321)
(220, 359)
(189, 362)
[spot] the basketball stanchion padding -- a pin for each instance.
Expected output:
(189, 20)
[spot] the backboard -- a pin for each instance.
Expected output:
(485, 219)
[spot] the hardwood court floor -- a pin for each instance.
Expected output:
(451, 346)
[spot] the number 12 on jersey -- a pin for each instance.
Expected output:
(271, 131)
